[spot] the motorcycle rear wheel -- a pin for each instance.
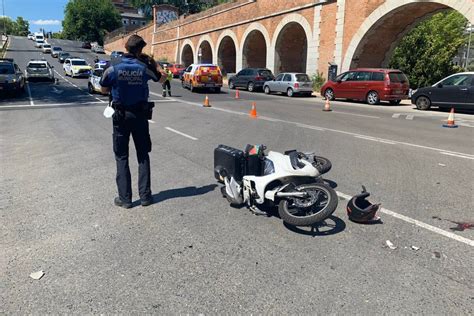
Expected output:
(306, 212)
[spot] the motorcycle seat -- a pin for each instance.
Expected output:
(295, 162)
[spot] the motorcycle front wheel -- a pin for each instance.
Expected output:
(319, 204)
(322, 164)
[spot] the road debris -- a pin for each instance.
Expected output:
(441, 164)
(415, 248)
(37, 275)
(436, 254)
(390, 245)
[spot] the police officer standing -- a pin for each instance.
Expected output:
(167, 83)
(128, 83)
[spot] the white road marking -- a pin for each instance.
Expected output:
(32, 103)
(418, 223)
(375, 139)
(410, 117)
(151, 121)
(45, 105)
(396, 115)
(310, 127)
(382, 140)
(456, 155)
(353, 114)
(180, 133)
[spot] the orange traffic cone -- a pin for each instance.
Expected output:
(237, 94)
(450, 123)
(327, 106)
(206, 102)
(253, 111)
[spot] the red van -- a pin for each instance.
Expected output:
(369, 84)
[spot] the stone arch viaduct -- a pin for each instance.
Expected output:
(292, 35)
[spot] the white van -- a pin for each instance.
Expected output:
(39, 36)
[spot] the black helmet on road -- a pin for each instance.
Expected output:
(360, 210)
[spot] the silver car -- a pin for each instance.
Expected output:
(290, 83)
(39, 69)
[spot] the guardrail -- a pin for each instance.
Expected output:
(123, 31)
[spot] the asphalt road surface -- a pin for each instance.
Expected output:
(191, 252)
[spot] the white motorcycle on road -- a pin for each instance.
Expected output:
(292, 181)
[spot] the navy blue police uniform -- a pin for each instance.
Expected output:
(128, 81)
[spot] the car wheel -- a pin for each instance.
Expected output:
(231, 85)
(395, 102)
(289, 92)
(182, 84)
(329, 94)
(423, 103)
(217, 90)
(251, 87)
(266, 89)
(191, 88)
(372, 98)
(90, 89)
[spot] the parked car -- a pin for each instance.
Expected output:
(250, 78)
(455, 91)
(176, 69)
(98, 49)
(94, 81)
(11, 77)
(86, 45)
(290, 83)
(369, 84)
(76, 67)
(39, 69)
(56, 51)
(46, 48)
(31, 36)
(202, 76)
(63, 56)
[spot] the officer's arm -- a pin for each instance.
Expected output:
(107, 80)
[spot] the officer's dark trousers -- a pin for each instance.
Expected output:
(166, 86)
(136, 124)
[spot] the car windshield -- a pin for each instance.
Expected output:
(302, 78)
(79, 63)
(265, 73)
(178, 66)
(36, 65)
(6, 69)
(57, 48)
(98, 72)
(397, 77)
(46, 46)
(65, 54)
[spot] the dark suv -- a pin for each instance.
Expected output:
(250, 78)
(11, 77)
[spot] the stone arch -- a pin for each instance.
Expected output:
(187, 53)
(207, 50)
(227, 51)
(404, 15)
(248, 45)
(291, 54)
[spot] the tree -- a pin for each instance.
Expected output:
(426, 53)
(90, 20)
(6, 25)
(192, 6)
(21, 27)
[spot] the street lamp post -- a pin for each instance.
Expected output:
(468, 47)
(4, 18)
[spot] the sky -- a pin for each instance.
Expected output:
(46, 14)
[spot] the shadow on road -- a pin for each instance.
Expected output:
(330, 226)
(180, 192)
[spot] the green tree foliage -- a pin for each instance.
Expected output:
(90, 20)
(20, 27)
(193, 6)
(426, 53)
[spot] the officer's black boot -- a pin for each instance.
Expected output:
(169, 92)
(119, 202)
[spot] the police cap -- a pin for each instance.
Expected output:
(135, 43)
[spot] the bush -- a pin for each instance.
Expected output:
(318, 81)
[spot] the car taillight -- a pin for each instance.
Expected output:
(296, 85)
(259, 78)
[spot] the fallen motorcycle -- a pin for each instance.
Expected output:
(291, 180)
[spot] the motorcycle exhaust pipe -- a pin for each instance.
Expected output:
(291, 194)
